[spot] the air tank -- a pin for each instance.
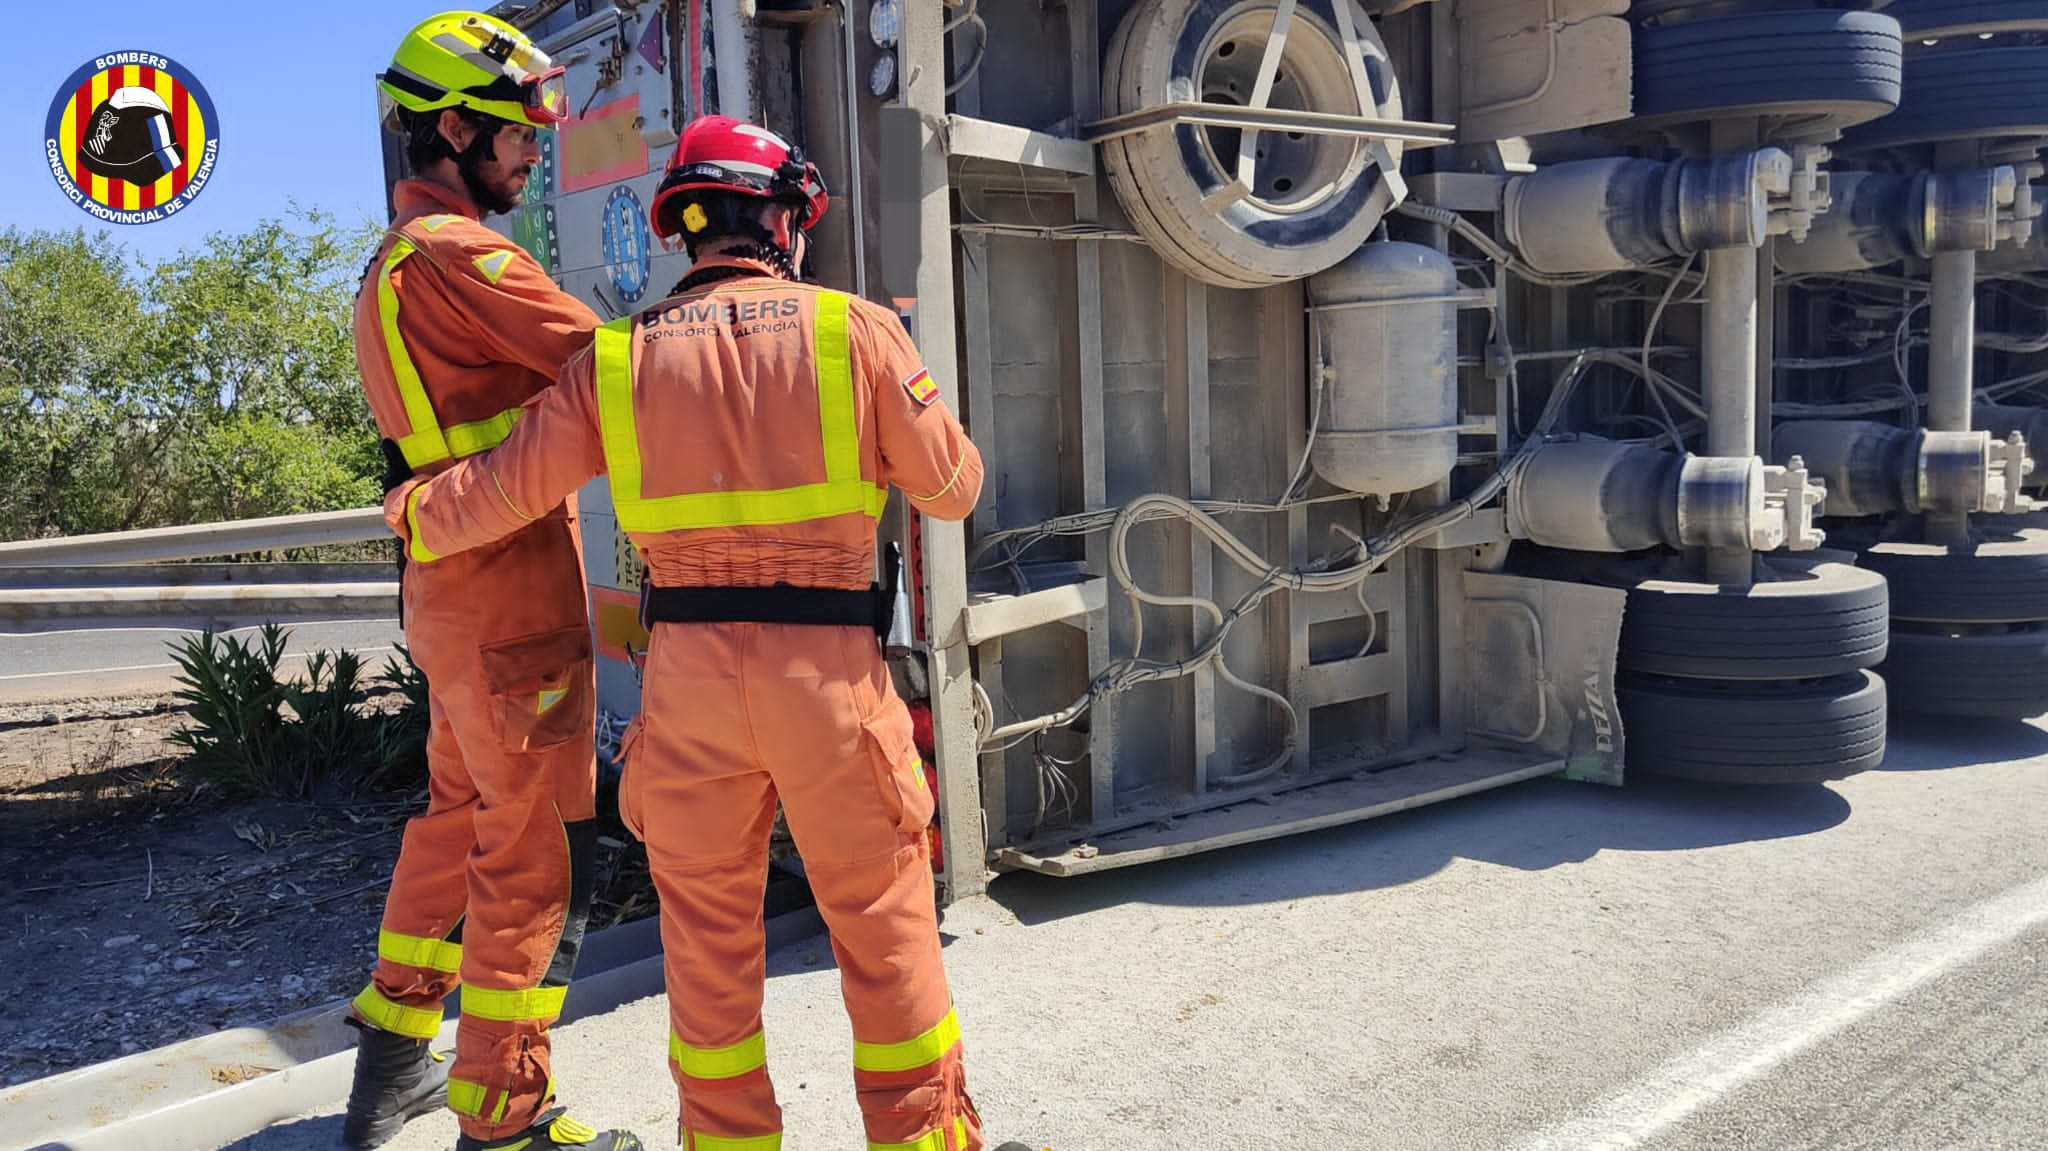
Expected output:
(1384, 335)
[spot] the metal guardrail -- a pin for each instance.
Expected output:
(118, 579)
(30, 611)
(198, 541)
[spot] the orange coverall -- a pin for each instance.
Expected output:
(729, 387)
(493, 880)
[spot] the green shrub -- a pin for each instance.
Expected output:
(254, 733)
(399, 754)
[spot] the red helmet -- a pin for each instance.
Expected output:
(719, 153)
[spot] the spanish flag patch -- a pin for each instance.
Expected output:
(921, 388)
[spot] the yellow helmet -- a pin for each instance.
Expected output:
(475, 61)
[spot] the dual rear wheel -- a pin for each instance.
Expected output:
(1768, 684)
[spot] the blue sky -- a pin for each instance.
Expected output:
(291, 85)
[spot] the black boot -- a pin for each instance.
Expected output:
(554, 1129)
(397, 1079)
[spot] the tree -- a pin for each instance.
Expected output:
(71, 325)
(217, 384)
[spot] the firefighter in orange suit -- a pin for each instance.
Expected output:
(455, 329)
(751, 425)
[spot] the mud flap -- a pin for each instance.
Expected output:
(1539, 666)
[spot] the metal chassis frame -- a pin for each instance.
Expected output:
(960, 629)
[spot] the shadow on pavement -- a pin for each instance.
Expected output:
(318, 1134)
(1937, 743)
(1530, 826)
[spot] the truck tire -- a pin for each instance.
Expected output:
(1753, 734)
(1820, 71)
(2002, 578)
(1817, 620)
(1992, 675)
(1981, 93)
(1316, 197)
(1941, 19)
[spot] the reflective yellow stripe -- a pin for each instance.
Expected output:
(719, 1062)
(428, 442)
(482, 435)
(705, 1142)
(911, 1053)
(415, 547)
(513, 1006)
(425, 443)
(419, 951)
(843, 492)
(411, 1022)
(832, 350)
(465, 1098)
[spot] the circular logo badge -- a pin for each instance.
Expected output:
(131, 137)
(625, 243)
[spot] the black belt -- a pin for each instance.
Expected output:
(782, 603)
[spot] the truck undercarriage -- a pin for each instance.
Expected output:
(1387, 401)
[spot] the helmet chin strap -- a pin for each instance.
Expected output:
(772, 248)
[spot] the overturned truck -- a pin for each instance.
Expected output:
(1386, 401)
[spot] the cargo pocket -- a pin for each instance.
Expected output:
(541, 685)
(899, 770)
(629, 778)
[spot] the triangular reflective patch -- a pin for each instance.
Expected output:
(549, 699)
(494, 264)
(433, 223)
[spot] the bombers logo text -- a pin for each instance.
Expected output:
(709, 317)
(131, 137)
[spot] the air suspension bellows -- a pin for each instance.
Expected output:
(1876, 469)
(1596, 495)
(1609, 214)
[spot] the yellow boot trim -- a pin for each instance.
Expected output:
(411, 1022)
(910, 1054)
(719, 1062)
(567, 1130)
(419, 951)
(533, 1003)
(742, 1143)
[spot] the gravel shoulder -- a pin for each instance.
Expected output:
(142, 908)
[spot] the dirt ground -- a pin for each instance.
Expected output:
(150, 908)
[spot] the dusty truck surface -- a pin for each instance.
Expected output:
(1386, 401)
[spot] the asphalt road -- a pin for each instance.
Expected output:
(1553, 965)
(90, 664)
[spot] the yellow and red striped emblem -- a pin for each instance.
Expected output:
(175, 126)
(922, 388)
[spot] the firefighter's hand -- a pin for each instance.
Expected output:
(394, 509)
